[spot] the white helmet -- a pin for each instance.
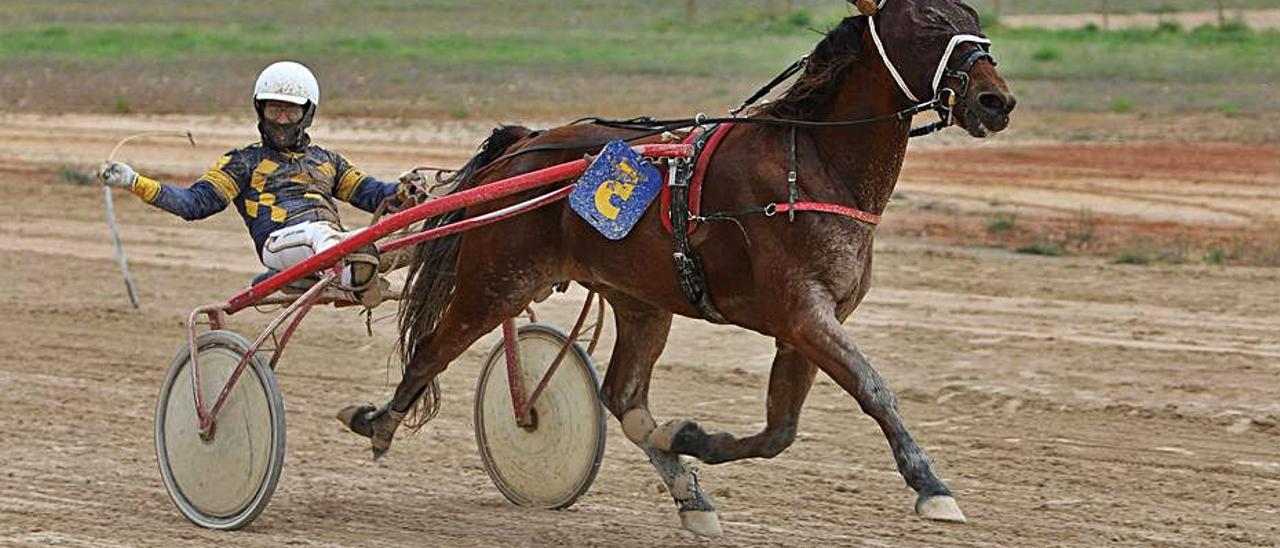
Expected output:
(289, 82)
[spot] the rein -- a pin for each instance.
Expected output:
(943, 102)
(650, 127)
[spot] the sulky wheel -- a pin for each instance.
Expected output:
(552, 463)
(226, 481)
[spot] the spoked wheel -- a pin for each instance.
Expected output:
(226, 481)
(552, 463)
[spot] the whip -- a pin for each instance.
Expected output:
(111, 210)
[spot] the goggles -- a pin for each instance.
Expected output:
(283, 112)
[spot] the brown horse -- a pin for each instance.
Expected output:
(796, 281)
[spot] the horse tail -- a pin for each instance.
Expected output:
(433, 270)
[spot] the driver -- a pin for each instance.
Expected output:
(284, 186)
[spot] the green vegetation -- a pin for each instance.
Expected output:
(1046, 52)
(1143, 250)
(460, 112)
(510, 56)
(1132, 257)
(121, 105)
(1118, 6)
(1217, 256)
(1205, 54)
(572, 48)
(1121, 105)
(74, 176)
(1048, 249)
(1002, 223)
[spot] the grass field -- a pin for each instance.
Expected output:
(1011, 7)
(543, 58)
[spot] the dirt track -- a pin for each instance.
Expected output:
(1067, 401)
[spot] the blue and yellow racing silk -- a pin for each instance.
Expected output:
(271, 189)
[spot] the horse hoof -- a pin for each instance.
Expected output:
(356, 419)
(664, 436)
(701, 523)
(940, 508)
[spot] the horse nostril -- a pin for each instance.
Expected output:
(991, 101)
(997, 102)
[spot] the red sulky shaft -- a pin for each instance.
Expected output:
(438, 206)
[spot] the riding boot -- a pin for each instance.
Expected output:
(363, 266)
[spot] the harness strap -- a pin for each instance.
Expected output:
(858, 214)
(884, 56)
(689, 270)
(773, 209)
(793, 192)
(704, 141)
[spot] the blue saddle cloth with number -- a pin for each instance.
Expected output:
(615, 190)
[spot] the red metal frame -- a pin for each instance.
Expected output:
(526, 419)
(478, 221)
(432, 208)
(522, 407)
(329, 259)
(510, 348)
(303, 305)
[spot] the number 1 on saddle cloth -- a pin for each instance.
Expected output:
(615, 190)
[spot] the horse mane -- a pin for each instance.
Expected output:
(828, 66)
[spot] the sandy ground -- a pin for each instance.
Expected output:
(1067, 401)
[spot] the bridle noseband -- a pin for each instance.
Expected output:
(946, 98)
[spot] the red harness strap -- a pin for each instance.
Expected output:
(858, 214)
(699, 172)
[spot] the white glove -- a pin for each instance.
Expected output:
(117, 174)
(412, 185)
(412, 176)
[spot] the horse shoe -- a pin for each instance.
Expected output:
(377, 424)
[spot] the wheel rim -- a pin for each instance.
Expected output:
(226, 481)
(551, 465)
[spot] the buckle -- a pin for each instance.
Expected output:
(946, 102)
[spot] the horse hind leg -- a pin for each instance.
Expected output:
(790, 379)
(642, 333)
(480, 302)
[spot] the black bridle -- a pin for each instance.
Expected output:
(946, 99)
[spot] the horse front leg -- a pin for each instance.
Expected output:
(642, 333)
(790, 379)
(822, 339)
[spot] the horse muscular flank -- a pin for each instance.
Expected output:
(796, 281)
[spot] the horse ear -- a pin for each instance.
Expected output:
(866, 7)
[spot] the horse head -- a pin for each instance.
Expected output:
(935, 49)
